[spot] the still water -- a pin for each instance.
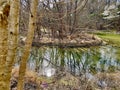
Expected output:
(47, 60)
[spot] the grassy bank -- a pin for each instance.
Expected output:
(110, 37)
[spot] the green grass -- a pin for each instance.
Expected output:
(110, 37)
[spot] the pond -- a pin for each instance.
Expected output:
(78, 61)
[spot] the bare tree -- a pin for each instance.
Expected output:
(28, 43)
(12, 38)
(61, 16)
(4, 12)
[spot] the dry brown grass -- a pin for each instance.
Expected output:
(29, 75)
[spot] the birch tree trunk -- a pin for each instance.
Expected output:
(31, 29)
(12, 38)
(4, 12)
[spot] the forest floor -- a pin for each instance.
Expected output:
(66, 81)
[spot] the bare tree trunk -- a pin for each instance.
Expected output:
(70, 16)
(59, 9)
(12, 39)
(32, 24)
(4, 12)
(75, 16)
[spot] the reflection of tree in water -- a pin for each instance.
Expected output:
(75, 60)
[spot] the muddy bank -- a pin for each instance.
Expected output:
(76, 40)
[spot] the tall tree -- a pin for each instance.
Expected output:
(30, 34)
(4, 12)
(12, 38)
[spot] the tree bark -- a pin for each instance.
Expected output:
(12, 38)
(28, 43)
(4, 12)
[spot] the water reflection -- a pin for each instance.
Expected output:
(75, 60)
